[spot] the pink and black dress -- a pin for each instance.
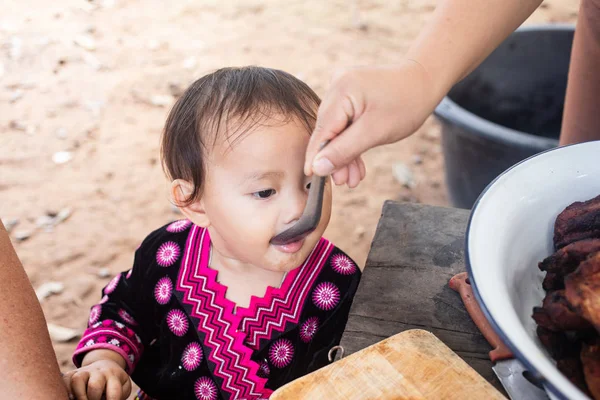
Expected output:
(169, 318)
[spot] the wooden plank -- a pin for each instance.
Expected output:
(415, 252)
(412, 365)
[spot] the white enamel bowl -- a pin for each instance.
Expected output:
(510, 230)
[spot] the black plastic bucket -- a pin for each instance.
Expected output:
(506, 110)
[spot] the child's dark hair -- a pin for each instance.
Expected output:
(240, 96)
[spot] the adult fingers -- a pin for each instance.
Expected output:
(334, 115)
(346, 147)
(353, 174)
(362, 167)
(340, 176)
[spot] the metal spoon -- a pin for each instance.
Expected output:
(309, 220)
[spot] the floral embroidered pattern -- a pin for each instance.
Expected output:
(179, 226)
(103, 300)
(114, 335)
(95, 314)
(343, 264)
(221, 352)
(263, 369)
(326, 296)
(167, 254)
(205, 389)
(126, 317)
(112, 285)
(177, 322)
(163, 290)
(308, 329)
(192, 356)
(281, 353)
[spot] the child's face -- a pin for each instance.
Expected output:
(256, 189)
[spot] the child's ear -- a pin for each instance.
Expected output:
(182, 190)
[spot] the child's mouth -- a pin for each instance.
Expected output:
(290, 247)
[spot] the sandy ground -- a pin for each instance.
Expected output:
(96, 79)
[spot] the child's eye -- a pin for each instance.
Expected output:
(264, 194)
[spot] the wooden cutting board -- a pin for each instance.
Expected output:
(412, 365)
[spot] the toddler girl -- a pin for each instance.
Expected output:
(211, 309)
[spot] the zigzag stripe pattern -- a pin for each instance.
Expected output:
(231, 358)
(286, 307)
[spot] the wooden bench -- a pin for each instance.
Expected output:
(415, 252)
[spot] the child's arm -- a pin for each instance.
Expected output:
(101, 372)
(371, 106)
(119, 322)
(103, 355)
(120, 326)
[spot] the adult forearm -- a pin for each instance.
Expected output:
(581, 120)
(28, 367)
(462, 33)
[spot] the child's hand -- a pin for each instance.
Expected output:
(97, 379)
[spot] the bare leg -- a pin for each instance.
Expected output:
(581, 119)
(28, 367)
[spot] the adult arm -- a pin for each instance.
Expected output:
(581, 119)
(28, 367)
(371, 106)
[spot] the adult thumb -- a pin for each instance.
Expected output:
(335, 113)
(344, 148)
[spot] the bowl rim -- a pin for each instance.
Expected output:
(448, 110)
(495, 326)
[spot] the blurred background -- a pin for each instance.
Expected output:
(85, 87)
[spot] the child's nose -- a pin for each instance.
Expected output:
(294, 206)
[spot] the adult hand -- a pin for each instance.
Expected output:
(364, 108)
(367, 107)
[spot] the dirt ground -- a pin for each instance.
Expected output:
(84, 90)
